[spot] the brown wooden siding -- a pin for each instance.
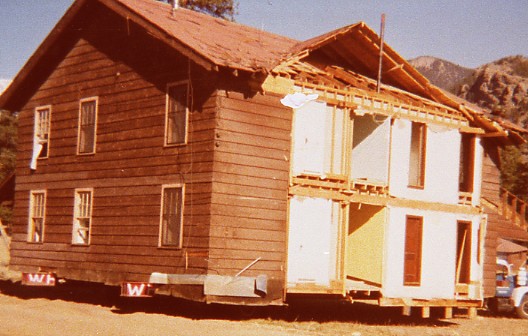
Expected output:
(128, 72)
(250, 188)
(491, 193)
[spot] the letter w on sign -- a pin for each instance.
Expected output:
(39, 279)
(136, 289)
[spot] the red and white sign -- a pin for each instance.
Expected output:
(137, 289)
(39, 279)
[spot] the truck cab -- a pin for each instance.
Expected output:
(511, 291)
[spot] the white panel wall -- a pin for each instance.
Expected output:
(442, 164)
(477, 181)
(309, 141)
(438, 254)
(312, 241)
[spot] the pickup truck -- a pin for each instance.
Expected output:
(511, 292)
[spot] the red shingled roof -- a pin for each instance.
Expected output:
(222, 42)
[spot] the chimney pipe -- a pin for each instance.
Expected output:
(175, 4)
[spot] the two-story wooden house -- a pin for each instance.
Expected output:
(222, 163)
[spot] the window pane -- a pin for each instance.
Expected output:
(36, 224)
(82, 217)
(87, 127)
(42, 130)
(171, 216)
(176, 114)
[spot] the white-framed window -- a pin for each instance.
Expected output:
(37, 216)
(171, 218)
(87, 125)
(176, 113)
(41, 134)
(82, 216)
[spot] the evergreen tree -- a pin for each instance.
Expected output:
(8, 139)
(225, 9)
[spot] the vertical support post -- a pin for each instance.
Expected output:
(406, 310)
(426, 312)
(448, 313)
(382, 33)
(503, 204)
(523, 215)
(514, 212)
(472, 312)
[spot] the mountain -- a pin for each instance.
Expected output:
(449, 76)
(500, 86)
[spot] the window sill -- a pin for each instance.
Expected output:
(169, 247)
(183, 144)
(416, 187)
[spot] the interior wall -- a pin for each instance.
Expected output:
(370, 150)
(365, 241)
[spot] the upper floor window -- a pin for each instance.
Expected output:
(467, 162)
(41, 134)
(87, 126)
(172, 216)
(82, 217)
(176, 118)
(37, 213)
(417, 155)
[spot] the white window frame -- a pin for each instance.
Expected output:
(39, 142)
(32, 234)
(82, 212)
(167, 106)
(162, 236)
(79, 127)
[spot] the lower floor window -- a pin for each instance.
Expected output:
(37, 213)
(82, 217)
(171, 216)
(412, 267)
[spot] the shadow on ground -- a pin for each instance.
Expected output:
(299, 311)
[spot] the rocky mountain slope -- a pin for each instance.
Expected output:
(500, 86)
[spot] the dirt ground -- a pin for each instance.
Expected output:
(82, 309)
(98, 310)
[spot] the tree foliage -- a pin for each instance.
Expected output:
(514, 171)
(8, 139)
(225, 9)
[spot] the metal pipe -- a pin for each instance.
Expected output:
(382, 32)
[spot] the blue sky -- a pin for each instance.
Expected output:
(467, 32)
